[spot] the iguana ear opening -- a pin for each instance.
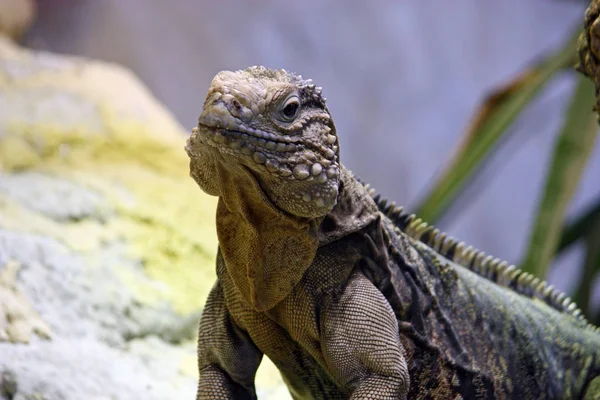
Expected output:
(354, 210)
(266, 251)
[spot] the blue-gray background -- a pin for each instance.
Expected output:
(402, 80)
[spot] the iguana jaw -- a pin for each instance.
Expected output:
(292, 151)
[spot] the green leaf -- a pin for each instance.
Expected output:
(489, 125)
(579, 227)
(571, 152)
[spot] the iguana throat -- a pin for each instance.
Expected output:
(266, 250)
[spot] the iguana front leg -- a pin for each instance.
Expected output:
(227, 357)
(361, 342)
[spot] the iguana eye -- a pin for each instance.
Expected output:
(290, 108)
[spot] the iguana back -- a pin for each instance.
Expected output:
(472, 330)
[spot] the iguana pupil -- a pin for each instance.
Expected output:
(291, 108)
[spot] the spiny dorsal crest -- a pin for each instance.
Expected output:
(494, 269)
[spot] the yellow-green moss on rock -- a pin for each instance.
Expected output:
(96, 125)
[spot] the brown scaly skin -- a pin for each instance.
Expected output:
(349, 297)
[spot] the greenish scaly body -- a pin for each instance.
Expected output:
(347, 295)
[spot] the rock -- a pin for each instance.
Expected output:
(107, 246)
(18, 319)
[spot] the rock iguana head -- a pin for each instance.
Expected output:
(276, 126)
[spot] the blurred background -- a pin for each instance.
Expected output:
(402, 79)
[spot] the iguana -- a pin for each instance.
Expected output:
(347, 295)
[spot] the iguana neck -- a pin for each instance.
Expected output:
(354, 210)
(267, 250)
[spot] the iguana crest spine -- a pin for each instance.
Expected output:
(489, 267)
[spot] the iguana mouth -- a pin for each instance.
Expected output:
(235, 138)
(269, 141)
(285, 156)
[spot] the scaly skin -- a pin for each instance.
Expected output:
(345, 295)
